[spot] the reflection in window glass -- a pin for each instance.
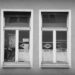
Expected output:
(23, 46)
(47, 47)
(61, 46)
(54, 19)
(17, 19)
(9, 47)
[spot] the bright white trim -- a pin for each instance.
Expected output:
(19, 64)
(31, 39)
(40, 39)
(2, 40)
(51, 29)
(55, 10)
(18, 10)
(8, 28)
(63, 66)
(54, 46)
(16, 45)
(69, 39)
(16, 28)
(68, 29)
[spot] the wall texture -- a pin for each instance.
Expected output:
(36, 5)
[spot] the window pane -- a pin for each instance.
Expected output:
(54, 19)
(9, 46)
(47, 47)
(47, 36)
(61, 46)
(23, 46)
(17, 19)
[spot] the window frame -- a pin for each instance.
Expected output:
(17, 29)
(68, 29)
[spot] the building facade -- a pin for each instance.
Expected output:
(37, 37)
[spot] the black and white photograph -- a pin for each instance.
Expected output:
(37, 37)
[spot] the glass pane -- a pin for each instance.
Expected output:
(17, 19)
(47, 47)
(54, 19)
(9, 46)
(23, 46)
(61, 46)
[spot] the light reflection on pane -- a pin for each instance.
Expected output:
(61, 46)
(17, 19)
(23, 46)
(47, 47)
(54, 19)
(9, 47)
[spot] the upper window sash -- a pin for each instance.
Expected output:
(17, 19)
(54, 19)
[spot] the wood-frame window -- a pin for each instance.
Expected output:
(16, 38)
(55, 38)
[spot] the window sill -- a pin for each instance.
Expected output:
(16, 65)
(58, 66)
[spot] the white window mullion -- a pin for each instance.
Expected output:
(2, 38)
(69, 38)
(16, 45)
(31, 40)
(40, 39)
(54, 46)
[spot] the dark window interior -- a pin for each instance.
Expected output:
(54, 19)
(17, 19)
(61, 35)
(47, 36)
(47, 40)
(9, 46)
(61, 40)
